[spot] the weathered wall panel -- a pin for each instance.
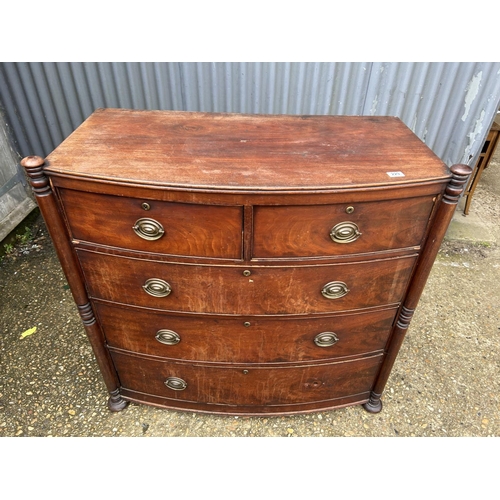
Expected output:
(450, 106)
(15, 203)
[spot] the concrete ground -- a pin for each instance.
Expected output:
(445, 382)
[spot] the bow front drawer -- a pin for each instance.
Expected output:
(253, 290)
(246, 385)
(155, 226)
(244, 339)
(343, 229)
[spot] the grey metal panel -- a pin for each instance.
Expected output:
(450, 106)
(8, 106)
(19, 111)
(481, 97)
(294, 88)
(75, 77)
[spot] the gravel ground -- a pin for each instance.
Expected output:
(445, 382)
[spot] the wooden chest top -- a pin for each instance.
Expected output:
(220, 152)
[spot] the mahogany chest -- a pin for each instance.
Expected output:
(245, 264)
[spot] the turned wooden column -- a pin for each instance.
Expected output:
(47, 202)
(446, 209)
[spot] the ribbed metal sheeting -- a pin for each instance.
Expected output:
(450, 106)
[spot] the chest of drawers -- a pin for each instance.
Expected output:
(245, 264)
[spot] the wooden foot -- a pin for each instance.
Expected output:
(374, 404)
(116, 402)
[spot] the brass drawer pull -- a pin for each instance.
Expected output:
(326, 339)
(157, 287)
(175, 383)
(167, 337)
(335, 290)
(345, 232)
(148, 229)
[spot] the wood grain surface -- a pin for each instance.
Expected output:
(224, 385)
(190, 229)
(304, 231)
(225, 290)
(235, 152)
(244, 339)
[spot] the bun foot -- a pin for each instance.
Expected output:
(374, 404)
(116, 402)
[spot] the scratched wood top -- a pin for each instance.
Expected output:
(217, 151)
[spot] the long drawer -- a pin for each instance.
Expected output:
(251, 291)
(155, 226)
(343, 229)
(244, 339)
(241, 385)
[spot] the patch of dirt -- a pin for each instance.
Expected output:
(453, 248)
(29, 237)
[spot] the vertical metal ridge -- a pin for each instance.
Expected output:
(8, 106)
(122, 86)
(410, 114)
(40, 96)
(68, 87)
(28, 106)
(93, 83)
(82, 89)
(442, 107)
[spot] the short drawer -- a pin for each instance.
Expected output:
(230, 290)
(154, 226)
(244, 339)
(327, 230)
(241, 385)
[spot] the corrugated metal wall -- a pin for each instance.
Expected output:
(450, 106)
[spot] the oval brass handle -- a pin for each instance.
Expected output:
(167, 337)
(176, 383)
(345, 232)
(157, 287)
(326, 339)
(148, 229)
(335, 290)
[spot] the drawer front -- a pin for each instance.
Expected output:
(246, 386)
(226, 289)
(169, 228)
(323, 230)
(245, 339)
